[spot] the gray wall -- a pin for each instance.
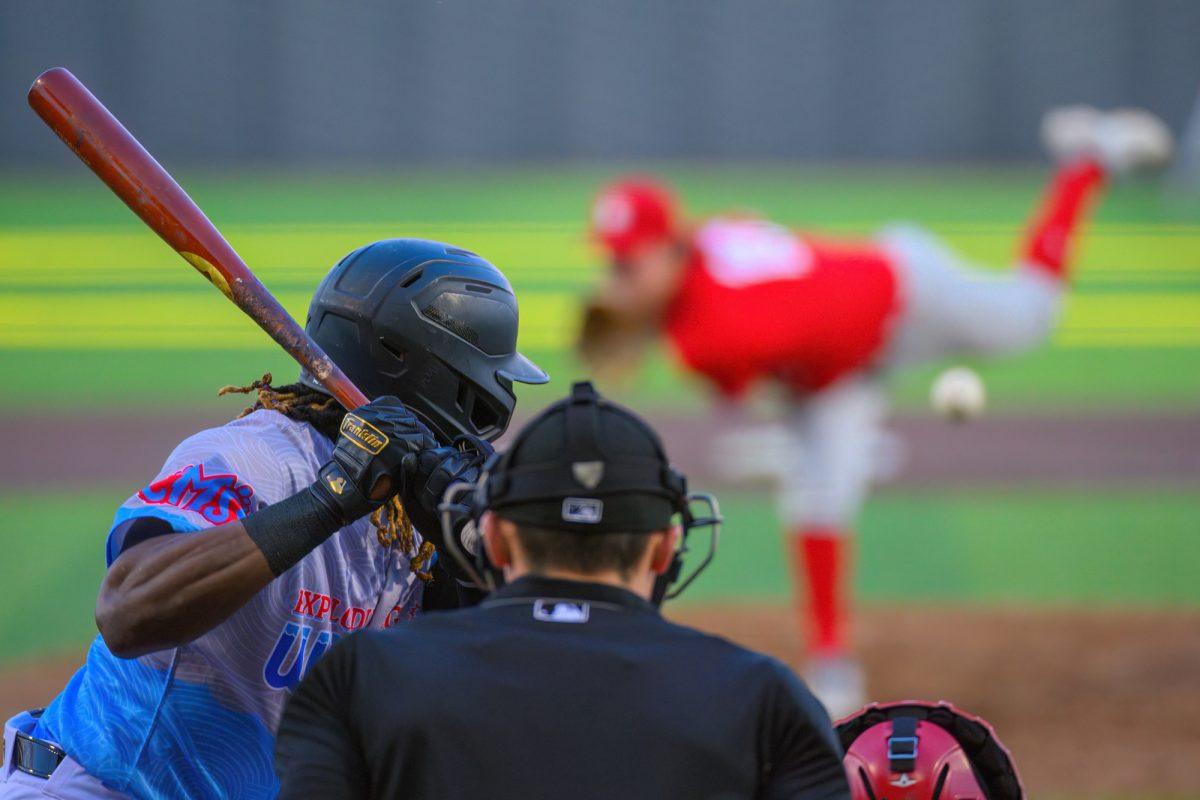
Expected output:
(303, 81)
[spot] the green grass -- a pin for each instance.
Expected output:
(1124, 547)
(1092, 380)
(53, 547)
(1128, 547)
(824, 195)
(94, 307)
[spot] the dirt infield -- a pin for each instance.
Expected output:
(1091, 450)
(1092, 703)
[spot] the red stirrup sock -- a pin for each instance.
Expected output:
(1051, 234)
(820, 563)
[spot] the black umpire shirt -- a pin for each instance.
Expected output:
(553, 689)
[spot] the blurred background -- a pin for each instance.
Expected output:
(1038, 566)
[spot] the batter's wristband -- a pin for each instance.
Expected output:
(291, 529)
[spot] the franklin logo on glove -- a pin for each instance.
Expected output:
(362, 433)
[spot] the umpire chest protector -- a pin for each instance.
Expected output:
(589, 467)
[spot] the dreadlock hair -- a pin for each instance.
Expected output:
(296, 401)
(305, 404)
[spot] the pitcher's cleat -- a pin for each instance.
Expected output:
(1122, 140)
(838, 682)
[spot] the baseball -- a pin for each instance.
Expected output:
(958, 394)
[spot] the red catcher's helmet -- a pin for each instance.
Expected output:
(632, 212)
(925, 751)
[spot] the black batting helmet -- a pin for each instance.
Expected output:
(430, 323)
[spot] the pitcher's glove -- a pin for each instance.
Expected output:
(609, 344)
(426, 479)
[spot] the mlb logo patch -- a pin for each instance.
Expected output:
(587, 510)
(561, 611)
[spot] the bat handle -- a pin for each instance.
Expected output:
(347, 394)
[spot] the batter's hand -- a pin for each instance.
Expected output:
(377, 445)
(431, 473)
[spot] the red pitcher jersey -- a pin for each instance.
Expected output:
(759, 300)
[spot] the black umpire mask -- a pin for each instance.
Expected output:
(586, 466)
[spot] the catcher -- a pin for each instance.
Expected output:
(925, 751)
(744, 300)
(261, 542)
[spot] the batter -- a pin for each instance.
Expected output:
(259, 543)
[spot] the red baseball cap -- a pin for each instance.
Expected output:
(631, 212)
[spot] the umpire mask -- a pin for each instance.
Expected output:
(584, 466)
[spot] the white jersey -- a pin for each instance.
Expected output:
(199, 720)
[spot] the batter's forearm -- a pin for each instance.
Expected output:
(171, 589)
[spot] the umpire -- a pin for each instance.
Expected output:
(565, 682)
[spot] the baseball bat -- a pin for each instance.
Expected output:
(102, 143)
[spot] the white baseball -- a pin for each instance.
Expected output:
(958, 394)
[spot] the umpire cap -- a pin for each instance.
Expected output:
(588, 465)
(585, 465)
(430, 323)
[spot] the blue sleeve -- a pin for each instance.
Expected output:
(125, 532)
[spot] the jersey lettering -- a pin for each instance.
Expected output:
(745, 252)
(274, 673)
(320, 606)
(218, 498)
(399, 614)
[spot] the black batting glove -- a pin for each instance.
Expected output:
(428, 476)
(379, 440)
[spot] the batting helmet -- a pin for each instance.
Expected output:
(925, 751)
(430, 323)
(632, 212)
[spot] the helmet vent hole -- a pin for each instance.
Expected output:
(411, 279)
(484, 418)
(458, 251)
(396, 352)
(474, 287)
(463, 400)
